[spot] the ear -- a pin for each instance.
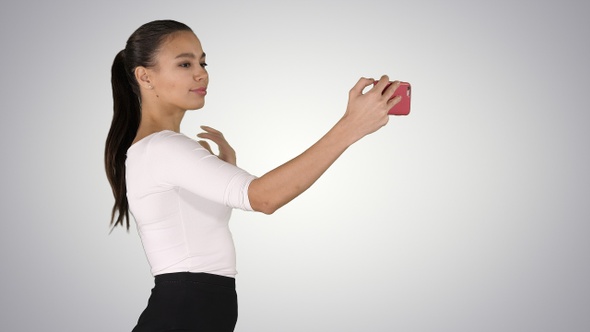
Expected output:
(142, 77)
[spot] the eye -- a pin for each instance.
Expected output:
(203, 64)
(185, 65)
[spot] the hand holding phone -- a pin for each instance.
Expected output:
(403, 107)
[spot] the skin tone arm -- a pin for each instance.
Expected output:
(365, 114)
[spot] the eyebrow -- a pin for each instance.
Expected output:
(189, 55)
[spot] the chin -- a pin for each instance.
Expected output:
(195, 107)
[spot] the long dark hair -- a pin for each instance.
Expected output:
(140, 50)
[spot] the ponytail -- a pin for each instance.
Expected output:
(126, 118)
(140, 50)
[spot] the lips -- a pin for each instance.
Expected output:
(200, 91)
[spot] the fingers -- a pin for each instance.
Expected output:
(389, 90)
(393, 101)
(211, 130)
(362, 83)
(212, 134)
(382, 83)
(226, 152)
(206, 145)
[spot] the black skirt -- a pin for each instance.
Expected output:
(188, 301)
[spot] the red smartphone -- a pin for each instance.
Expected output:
(403, 107)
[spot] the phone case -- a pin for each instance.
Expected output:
(403, 107)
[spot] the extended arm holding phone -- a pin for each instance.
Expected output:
(365, 114)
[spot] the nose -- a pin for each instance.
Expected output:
(201, 74)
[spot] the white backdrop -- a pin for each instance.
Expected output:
(471, 214)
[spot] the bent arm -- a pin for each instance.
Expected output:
(365, 114)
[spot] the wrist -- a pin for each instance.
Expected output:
(346, 130)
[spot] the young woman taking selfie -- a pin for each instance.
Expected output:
(180, 193)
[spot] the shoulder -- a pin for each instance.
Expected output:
(170, 143)
(160, 138)
(165, 141)
(165, 137)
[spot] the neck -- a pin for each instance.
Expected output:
(153, 121)
(157, 120)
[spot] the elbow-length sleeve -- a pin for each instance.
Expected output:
(179, 161)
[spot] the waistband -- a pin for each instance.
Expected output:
(197, 277)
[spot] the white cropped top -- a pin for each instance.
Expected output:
(181, 197)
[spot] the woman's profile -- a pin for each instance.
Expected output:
(180, 193)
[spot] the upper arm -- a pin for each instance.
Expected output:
(176, 160)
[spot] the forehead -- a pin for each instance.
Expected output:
(181, 42)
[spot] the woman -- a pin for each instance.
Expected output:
(180, 193)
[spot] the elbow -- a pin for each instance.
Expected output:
(264, 199)
(261, 200)
(265, 207)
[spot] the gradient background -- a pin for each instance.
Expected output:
(471, 214)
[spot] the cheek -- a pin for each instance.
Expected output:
(170, 83)
(172, 89)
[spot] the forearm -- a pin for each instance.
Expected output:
(281, 185)
(365, 113)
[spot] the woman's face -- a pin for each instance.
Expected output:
(179, 79)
